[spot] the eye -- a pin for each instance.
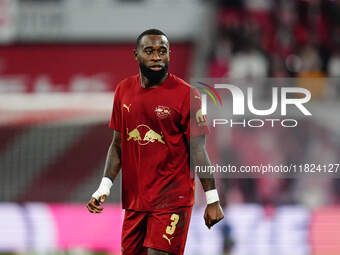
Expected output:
(163, 51)
(148, 51)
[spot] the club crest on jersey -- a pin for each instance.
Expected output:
(146, 132)
(162, 112)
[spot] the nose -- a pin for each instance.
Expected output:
(156, 56)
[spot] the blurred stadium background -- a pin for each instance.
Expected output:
(59, 63)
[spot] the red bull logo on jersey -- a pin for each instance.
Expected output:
(133, 134)
(149, 135)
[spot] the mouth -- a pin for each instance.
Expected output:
(156, 67)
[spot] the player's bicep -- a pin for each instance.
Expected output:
(117, 140)
(115, 122)
(195, 124)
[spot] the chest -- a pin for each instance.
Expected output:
(151, 107)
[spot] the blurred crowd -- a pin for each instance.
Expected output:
(308, 144)
(300, 39)
(277, 38)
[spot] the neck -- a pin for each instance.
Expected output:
(145, 81)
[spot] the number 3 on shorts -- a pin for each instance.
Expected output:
(171, 229)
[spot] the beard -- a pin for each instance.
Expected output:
(154, 77)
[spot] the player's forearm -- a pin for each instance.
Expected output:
(111, 170)
(208, 183)
(199, 157)
(113, 161)
(207, 179)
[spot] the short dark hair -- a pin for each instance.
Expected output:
(152, 31)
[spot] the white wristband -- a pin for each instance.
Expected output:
(211, 196)
(103, 189)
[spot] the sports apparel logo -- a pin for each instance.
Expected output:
(162, 112)
(127, 107)
(149, 135)
(167, 238)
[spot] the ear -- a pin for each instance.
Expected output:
(135, 54)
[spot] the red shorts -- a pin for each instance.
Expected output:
(162, 230)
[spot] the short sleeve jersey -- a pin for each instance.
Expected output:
(155, 128)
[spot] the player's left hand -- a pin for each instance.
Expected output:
(213, 214)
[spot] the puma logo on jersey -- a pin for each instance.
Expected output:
(127, 107)
(169, 240)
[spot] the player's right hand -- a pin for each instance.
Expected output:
(99, 196)
(94, 205)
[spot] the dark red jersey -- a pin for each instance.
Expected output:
(155, 124)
